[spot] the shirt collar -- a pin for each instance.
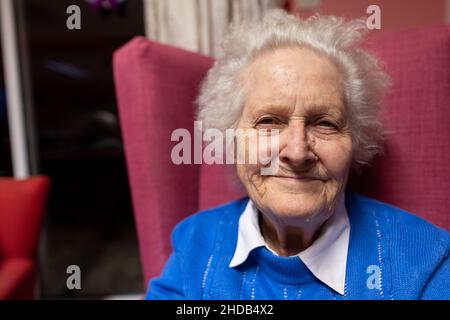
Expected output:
(326, 258)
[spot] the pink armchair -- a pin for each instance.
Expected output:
(156, 86)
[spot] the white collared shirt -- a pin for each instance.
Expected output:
(326, 258)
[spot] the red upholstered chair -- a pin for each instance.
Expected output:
(22, 204)
(157, 84)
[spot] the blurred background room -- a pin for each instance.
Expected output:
(59, 119)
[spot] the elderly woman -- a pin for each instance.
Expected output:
(299, 234)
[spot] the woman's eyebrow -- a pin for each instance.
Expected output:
(334, 110)
(271, 108)
(330, 109)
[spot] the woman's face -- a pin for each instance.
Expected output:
(300, 93)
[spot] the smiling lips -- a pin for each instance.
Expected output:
(302, 179)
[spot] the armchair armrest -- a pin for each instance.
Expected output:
(17, 279)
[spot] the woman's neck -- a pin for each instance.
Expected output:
(288, 240)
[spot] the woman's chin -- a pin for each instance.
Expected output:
(306, 207)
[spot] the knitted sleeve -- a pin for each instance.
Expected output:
(169, 286)
(438, 286)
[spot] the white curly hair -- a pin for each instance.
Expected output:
(222, 92)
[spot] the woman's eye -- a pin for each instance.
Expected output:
(267, 121)
(326, 123)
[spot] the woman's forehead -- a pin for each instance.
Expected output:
(285, 76)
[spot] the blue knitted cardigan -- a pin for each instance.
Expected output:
(392, 255)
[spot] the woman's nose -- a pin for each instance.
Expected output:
(296, 145)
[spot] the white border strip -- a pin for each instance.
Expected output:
(14, 98)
